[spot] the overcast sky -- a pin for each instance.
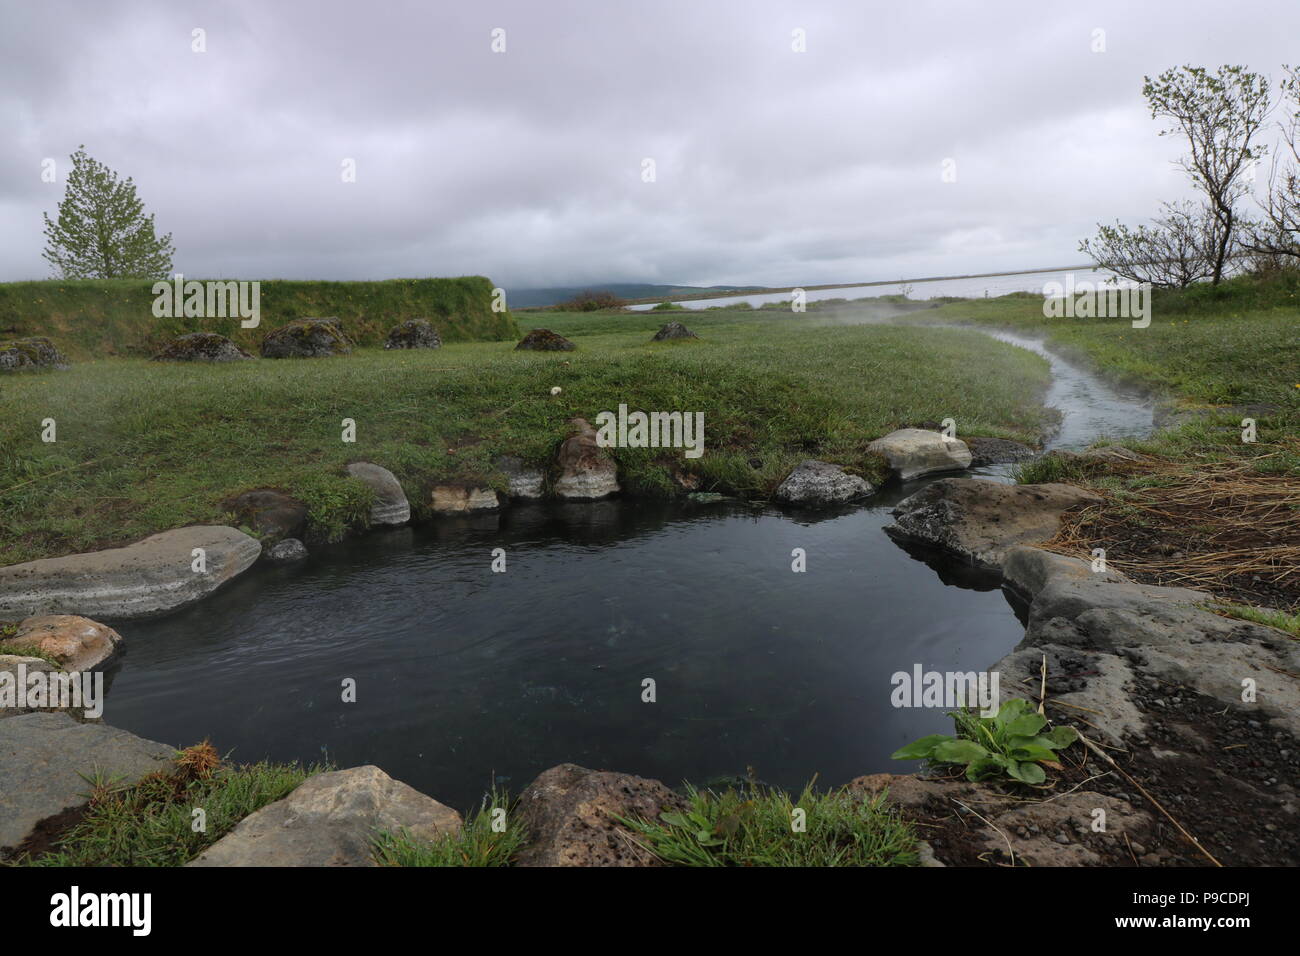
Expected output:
(772, 167)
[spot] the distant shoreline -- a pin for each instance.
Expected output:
(715, 294)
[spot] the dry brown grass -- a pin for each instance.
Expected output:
(1221, 526)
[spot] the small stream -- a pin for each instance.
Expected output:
(464, 675)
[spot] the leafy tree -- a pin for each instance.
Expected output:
(1178, 248)
(1220, 114)
(102, 231)
(1277, 236)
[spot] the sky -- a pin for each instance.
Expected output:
(791, 143)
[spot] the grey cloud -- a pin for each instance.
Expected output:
(773, 167)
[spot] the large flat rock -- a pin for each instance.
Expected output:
(42, 758)
(1134, 633)
(979, 521)
(150, 577)
(331, 820)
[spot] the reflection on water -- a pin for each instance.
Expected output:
(463, 673)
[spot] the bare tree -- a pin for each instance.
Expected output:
(1220, 113)
(1276, 238)
(1180, 247)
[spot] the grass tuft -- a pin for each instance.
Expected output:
(760, 826)
(477, 844)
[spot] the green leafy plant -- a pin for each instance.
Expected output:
(1012, 743)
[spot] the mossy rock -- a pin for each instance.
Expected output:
(414, 334)
(30, 354)
(544, 340)
(307, 338)
(673, 330)
(201, 347)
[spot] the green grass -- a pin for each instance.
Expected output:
(477, 843)
(151, 823)
(1236, 354)
(96, 318)
(143, 447)
(1283, 621)
(759, 827)
(16, 651)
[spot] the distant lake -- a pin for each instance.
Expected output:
(969, 288)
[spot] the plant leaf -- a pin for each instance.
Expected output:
(1027, 725)
(958, 751)
(1062, 737)
(919, 749)
(1026, 772)
(985, 768)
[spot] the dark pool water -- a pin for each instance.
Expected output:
(463, 673)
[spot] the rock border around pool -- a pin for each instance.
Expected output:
(161, 573)
(156, 575)
(1130, 635)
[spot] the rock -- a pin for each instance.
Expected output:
(75, 643)
(673, 330)
(331, 820)
(913, 452)
(996, 451)
(587, 472)
(544, 340)
(391, 506)
(1026, 570)
(15, 671)
(414, 334)
(525, 483)
(30, 354)
(307, 338)
(459, 499)
(1146, 635)
(201, 347)
(42, 758)
(819, 484)
(977, 521)
(287, 551)
(272, 514)
(570, 815)
(149, 577)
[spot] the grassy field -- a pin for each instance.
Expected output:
(1240, 352)
(142, 447)
(97, 318)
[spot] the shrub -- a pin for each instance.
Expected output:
(590, 300)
